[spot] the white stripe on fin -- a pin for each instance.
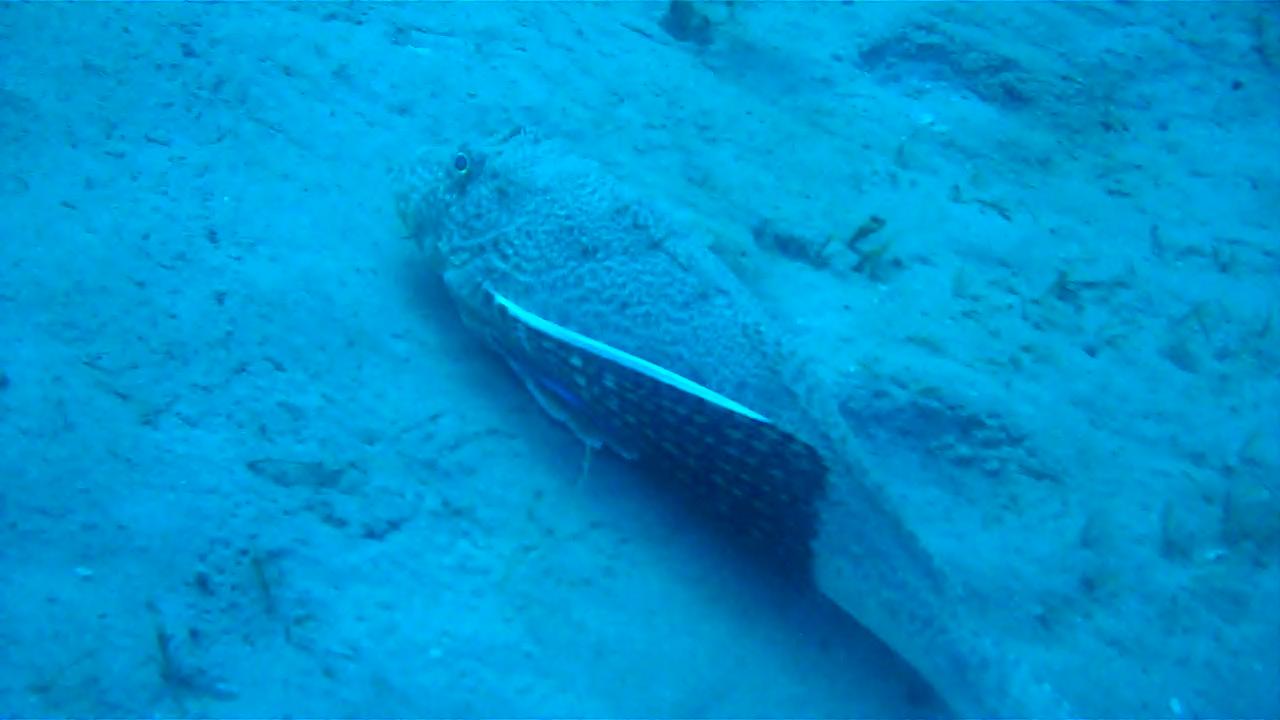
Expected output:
(626, 359)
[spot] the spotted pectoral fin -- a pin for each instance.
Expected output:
(759, 480)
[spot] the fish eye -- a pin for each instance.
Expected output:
(461, 163)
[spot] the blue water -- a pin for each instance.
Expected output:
(251, 463)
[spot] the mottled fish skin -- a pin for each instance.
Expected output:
(527, 218)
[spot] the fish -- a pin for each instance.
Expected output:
(625, 327)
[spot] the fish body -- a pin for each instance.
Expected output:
(629, 330)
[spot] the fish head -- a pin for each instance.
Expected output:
(454, 201)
